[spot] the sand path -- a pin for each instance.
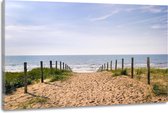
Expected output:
(82, 89)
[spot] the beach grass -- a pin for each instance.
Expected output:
(13, 80)
(158, 78)
(119, 72)
(31, 102)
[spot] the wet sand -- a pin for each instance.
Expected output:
(83, 89)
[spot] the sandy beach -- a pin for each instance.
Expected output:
(83, 89)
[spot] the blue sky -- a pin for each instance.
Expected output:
(52, 28)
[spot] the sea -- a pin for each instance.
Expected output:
(83, 63)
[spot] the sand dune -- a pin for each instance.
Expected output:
(83, 89)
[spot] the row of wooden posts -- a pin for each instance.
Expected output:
(62, 65)
(105, 67)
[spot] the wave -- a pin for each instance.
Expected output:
(80, 68)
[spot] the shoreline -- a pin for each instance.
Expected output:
(90, 71)
(82, 62)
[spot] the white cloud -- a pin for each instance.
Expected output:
(101, 17)
(151, 9)
(10, 6)
(134, 21)
(156, 27)
(80, 39)
(51, 39)
(147, 8)
(104, 17)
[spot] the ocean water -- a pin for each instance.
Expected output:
(83, 63)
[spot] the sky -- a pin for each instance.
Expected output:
(55, 28)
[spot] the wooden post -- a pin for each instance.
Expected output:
(51, 67)
(111, 63)
(60, 65)
(25, 77)
(107, 66)
(132, 67)
(50, 64)
(66, 67)
(122, 64)
(42, 76)
(148, 69)
(56, 63)
(104, 66)
(63, 65)
(116, 65)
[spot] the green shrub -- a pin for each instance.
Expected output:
(124, 72)
(56, 77)
(138, 77)
(160, 89)
(13, 80)
(60, 75)
(31, 102)
(139, 71)
(119, 72)
(116, 73)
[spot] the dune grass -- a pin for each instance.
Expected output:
(33, 101)
(13, 80)
(119, 72)
(159, 78)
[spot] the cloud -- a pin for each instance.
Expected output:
(151, 9)
(59, 33)
(149, 20)
(51, 39)
(104, 17)
(14, 5)
(144, 9)
(156, 27)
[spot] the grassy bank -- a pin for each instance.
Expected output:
(159, 78)
(13, 80)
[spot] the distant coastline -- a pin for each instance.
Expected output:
(83, 63)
